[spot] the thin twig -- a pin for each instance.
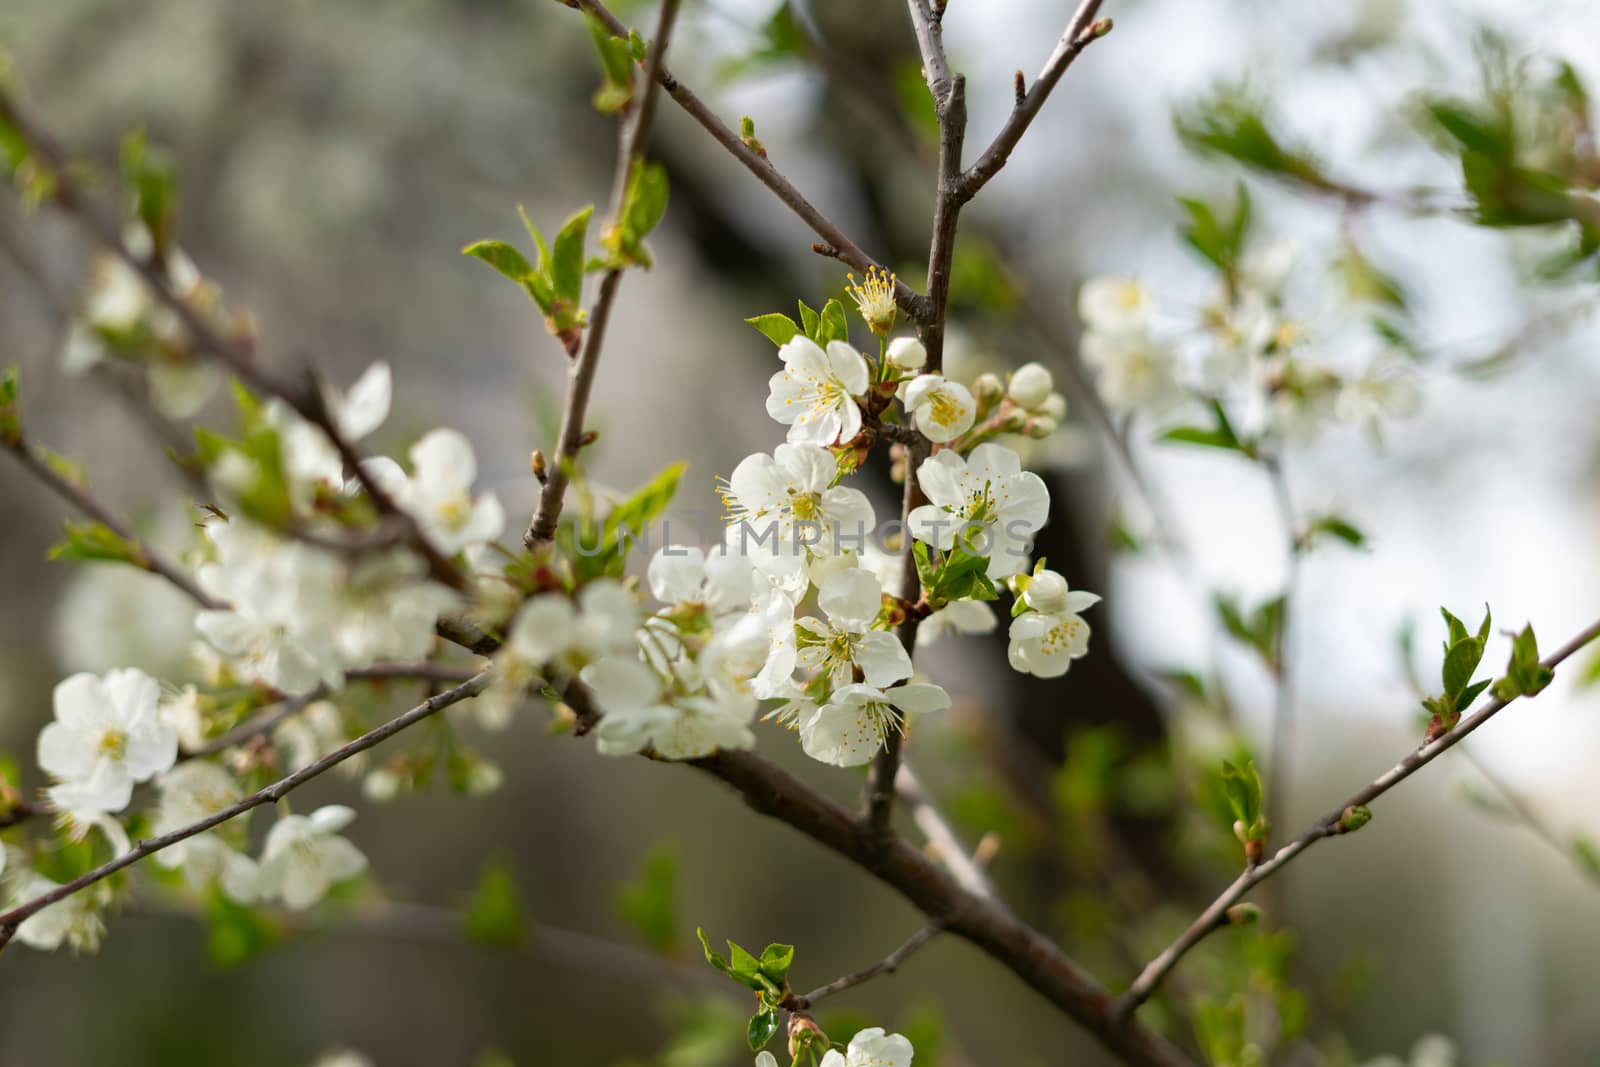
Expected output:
(634, 137)
(1215, 914)
(1081, 32)
(235, 353)
(911, 302)
(1281, 731)
(946, 847)
(144, 557)
(9, 921)
(888, 965)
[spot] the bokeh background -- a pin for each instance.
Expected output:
(336, 157)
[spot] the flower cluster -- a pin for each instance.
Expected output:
(1245, 351)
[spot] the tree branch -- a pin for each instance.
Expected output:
(1214, 916)
(235, 353)
(1081, 32)
(9, 921)
(888, 965)
(634, 136)
(145, 557)
(839, 245)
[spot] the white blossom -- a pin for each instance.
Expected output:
(190, 792)
(638, 714)
(1114, 305)
(1384, 391)
(304, 857)
(1045, 640)
(75, 921)
(309, 457)
(685, 575)
(311, 733)
(872, 1048)
(107, 735)
(986, 500)
(957, 617)
(851, 600)
(943, 410)
(814, 395)
(1135, 371)
(438, 492)
(784, 509)
(850, 728)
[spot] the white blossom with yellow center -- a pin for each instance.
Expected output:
(1045, 640)
(107, 735)
(846, 642)
(784, 511)
(875, 299)
(438, 493)
(851, 727)
(943, 410)
(987, 503)
(1114, 305)
(815, 394)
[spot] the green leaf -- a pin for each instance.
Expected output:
(616, 67)
(763, 1026)
(642, 208)
(713, 958)
(1363, 280)
(1233, 122)
(1525, 675)
(150, 176)
(835, 326)
(1587, 855)
(1459, 663)
(566, 263)
(650, 902)
(93, 540)
(740, 965)
(503, 258)
(1219, 435)
(810, 321)
(775, 962)
(1220, 241)
(778, 328)
(1336, 527)
(1242, 787)
(10, 418)
(493, 915)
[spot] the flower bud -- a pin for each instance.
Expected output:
(1013, 421)
(987, 389)
(1354, 818)
(484, 778)
(1047, 592)
(1031, 386)
(381, 785)
(1055, 406)
(1039, 427)
(1245, 914)
(907, 353)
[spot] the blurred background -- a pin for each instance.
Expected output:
(334, 160)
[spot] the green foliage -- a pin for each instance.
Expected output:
(1232, 122)
(616, 67)
(555, 282)
(649, 903)
(150, 175)
(1259, 628)
(1220, 434)
(601, 548)
(768, 976)
(1365, 281)
(953, 575)
(1241, 786)
(493, 915)
(10, 417)
(236, 934)
(643, 204)
(781, 40)
(1219, 240)
(778, 328)
(1463, 651)
(1332, 526)
(1587, 855)
(978, 278)
(95, 541)
(1220, 1027)
(1525, 676)
(251, 464)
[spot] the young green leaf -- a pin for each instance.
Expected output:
(763, 1026)
(493, 915)
(778, 328)
(1525, 675)
(649, 903)
(566, 262)
(94, 541)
